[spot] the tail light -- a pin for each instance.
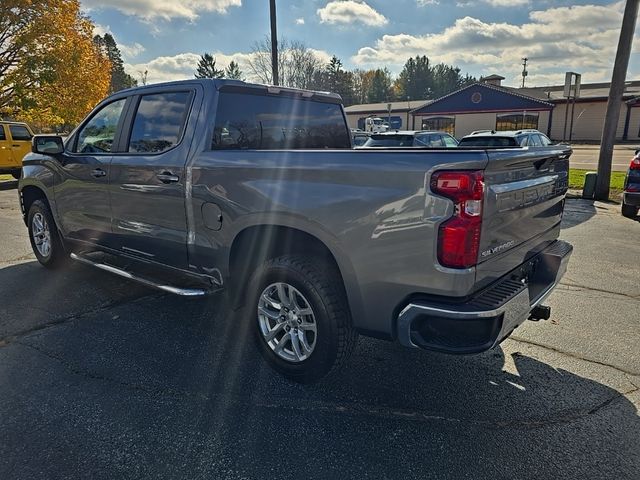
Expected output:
(459, 237)
(635, 163)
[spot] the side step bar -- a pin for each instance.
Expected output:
(185, 292)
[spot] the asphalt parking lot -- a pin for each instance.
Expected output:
(101, 378)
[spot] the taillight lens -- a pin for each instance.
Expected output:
(635, 164)
(459, 237)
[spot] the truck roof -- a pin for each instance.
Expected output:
(219, 84)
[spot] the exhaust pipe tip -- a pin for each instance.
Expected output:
(540, 312)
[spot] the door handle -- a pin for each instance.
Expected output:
(168, 177)
(98, 172)
(17, 146)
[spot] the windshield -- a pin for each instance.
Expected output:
(389, 141)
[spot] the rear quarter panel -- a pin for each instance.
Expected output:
(371, 208)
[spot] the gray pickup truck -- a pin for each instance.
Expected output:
(200, 186)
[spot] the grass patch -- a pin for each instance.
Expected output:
(6, 177)
(616, 186)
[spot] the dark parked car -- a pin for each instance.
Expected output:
(509, 138)
(200, 186)
(411, 138)
(631, 195)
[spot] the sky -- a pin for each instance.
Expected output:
(482, 37)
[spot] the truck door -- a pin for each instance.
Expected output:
(148, 176)
(6, 157)
(20, 142)
(82, 194)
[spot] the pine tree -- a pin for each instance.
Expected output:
(207, 67)
(119, 78)
(233, 71)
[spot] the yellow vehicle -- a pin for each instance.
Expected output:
(15, 143)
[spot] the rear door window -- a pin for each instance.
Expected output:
(159, 121)
(449, 141)
(2, 134)
(20, 133)
(544, 140)
(534, 140)
(268, 122)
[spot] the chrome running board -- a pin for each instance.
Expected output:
(185, 292)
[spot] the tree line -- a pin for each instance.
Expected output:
(301, 67)
(54, 69)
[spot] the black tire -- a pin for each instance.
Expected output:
(57, 255)
(321, 286)
(16, 174)
(629, 211)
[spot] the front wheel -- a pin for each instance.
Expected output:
(300, 317)
(629, 211)
(45, 241)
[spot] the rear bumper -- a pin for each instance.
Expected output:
(487, 318)
(631, 198)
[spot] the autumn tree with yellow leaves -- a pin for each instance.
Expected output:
(51, 71)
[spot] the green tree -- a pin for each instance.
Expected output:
(415, 80)
(119, 78)
(207, 67)
(233, 71)
(380, 88)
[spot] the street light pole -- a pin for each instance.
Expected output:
(274, 43)
(615, 99)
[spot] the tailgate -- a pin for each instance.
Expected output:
(523, 206)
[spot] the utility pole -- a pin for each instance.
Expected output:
(524, 70)
(274, 43)
(615, 99)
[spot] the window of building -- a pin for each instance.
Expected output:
(264, 122)
(159, 122)
(516, 121)
(442, 124)
(20, 133)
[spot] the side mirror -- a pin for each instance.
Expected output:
(47, 144)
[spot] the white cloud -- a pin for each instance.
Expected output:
(299, 21)
(350, 11)
(428, 2)
(507, 3)
(579, 38)
(131, 51)
(166, 9)
(101, 29)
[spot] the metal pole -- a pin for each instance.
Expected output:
(274, 43)
(615, 99)
(566, 117)
(573, 110)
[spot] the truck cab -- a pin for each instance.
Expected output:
(15, 143)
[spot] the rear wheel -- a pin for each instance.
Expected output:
(43, 234)
(629, 211)
(300, 317)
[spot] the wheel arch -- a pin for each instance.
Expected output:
(256, 243)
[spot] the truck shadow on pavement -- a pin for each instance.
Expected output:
(577, 211)
(154, 386)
